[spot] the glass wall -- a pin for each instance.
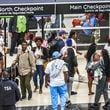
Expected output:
(88, 27)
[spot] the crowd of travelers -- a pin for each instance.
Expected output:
(54, 60)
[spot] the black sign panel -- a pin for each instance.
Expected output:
(82, 8)
(26, 9)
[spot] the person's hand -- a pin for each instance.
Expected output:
(46, 84)
(5, 49)
(10, 34)
(13, 64)
(38, 56)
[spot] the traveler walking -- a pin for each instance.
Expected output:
(89, 58)
(56, 77)
(102, 69)
(26, 67)
(41, 55)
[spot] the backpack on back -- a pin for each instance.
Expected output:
(70, 60)
(70, 56)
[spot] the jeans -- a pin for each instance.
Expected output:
(69, 85)
(39, 71)
(62, 92)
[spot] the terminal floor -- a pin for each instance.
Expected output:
(72, 107)
(81, 101)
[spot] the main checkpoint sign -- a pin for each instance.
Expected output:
(82, 6)
(21, 7)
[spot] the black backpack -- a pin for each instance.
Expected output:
(70, 60)
(70, 57)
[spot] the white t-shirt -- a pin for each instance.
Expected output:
(38, 52)
(74, 43)
(64, 50)
(56, 79)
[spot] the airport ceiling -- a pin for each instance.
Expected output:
(43, 7)
(17, 2)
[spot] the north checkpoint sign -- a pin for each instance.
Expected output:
(21, 7)
(27, 9)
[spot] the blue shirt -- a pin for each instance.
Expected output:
(86, 24)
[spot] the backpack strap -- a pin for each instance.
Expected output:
(29, 60)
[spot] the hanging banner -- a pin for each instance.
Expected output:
(82, 8)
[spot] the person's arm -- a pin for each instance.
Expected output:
(17, 91)
(78, 52)
(32, 62)
(65, 71)
(66, 76)
(47, 79)
(47, 75)
(16, 60)
(1, 64)
(45, 55)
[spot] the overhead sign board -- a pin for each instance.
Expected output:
(26, 9)
(82, 8)
(41, 7)
(21, 7)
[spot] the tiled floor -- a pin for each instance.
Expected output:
(72, 107)
(81, 101)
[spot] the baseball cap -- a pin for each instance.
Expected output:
(56, 54)
(61, 32)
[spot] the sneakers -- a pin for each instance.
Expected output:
(23, 97)
(80, 78)
(40, 91)
(68, 103)
(91, 93)
(30, 96)
(35, 89)
(73, 93)
(94, 106)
